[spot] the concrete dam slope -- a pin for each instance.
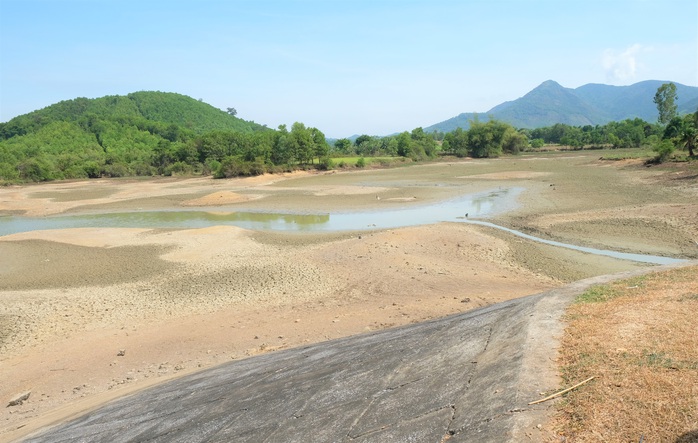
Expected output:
(463, 378)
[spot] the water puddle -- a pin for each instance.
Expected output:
(462, 209)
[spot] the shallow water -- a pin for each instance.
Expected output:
(480, 205)
(463, 209)
(654, 259)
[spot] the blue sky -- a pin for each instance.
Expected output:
(345, 67)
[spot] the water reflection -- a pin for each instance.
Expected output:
(481, 205)
(477, 205)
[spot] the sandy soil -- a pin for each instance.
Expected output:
(91, 314)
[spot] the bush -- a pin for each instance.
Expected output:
(537, 143)
(178, 168)
(116, 170)
(210, 166)
(361, 162)
(234, 167)
(8, 172)
(36, 169)
(92, 169)
(325, 164)
(256, 167)
(75, 171)
(664, 150)
(142, 169)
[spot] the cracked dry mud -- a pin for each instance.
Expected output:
(178, 301)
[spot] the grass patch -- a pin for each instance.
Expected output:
(637, 337)
(662, 360)
(628, 154)
(603, 293)
(597, 294)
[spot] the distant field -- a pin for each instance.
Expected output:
(355, 158)
(628, 153)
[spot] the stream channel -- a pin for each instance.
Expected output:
(463, 209)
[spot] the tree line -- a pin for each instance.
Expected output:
(146, 135)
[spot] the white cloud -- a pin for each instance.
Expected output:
(621, 67)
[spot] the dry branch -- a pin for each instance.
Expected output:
(557, 394)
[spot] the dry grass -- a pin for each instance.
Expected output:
(639, 338)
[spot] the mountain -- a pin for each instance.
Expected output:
(547, 104)
(637, 100)
(591, 104)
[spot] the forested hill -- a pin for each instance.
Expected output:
(156, 107)
(142, 133)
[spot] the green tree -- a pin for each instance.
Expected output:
(423, 144)
(404, 144)
(456, 142)
(486, 139)
(665, 99)
(689, 135)
(320, 146)
(302, 144)
(281, 153)
(361, 139)
(343, 146)
(683, 132)
(514, 141)
(537, 143)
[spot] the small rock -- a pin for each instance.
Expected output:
(121, 353)
(465, 300)
(19, 399)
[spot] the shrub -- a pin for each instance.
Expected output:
(116, 170)
(75, 171)
(537, 143)
(325, 164)
(142, 169)
(256, 167)
(8, 172)
(92, 169)
(361, 162)
(36, 169)
(210, 166)
(664, 149)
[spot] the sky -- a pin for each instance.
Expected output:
(345, 67)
